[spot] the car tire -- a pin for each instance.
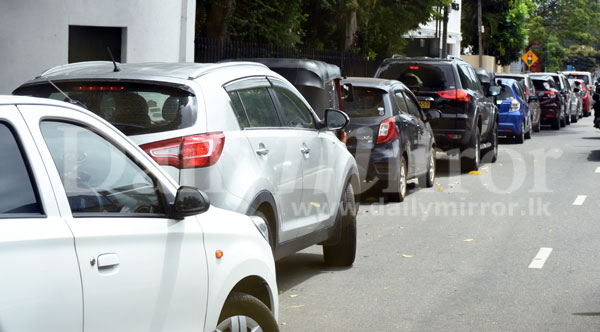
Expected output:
(244, 312)
(491, 155)
(530, 131)
(272, 243)
(538, 126)
(471, 156)
(574, 118)
(344, 252)
(556, 124)
(563, 121)
(401, 184)
(520, 138)
(428, 179)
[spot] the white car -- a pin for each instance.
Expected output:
(94, 236)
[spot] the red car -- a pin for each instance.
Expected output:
(585, 95)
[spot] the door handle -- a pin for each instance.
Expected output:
(305, 150)
(262, 151)
(108, 261)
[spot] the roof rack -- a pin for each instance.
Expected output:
(205, 70)
(75, 65)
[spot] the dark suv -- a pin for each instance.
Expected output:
(469, 121)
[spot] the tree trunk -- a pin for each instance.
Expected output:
(349, 25)
(218, 18)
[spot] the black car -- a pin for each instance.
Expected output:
(551, 101)
(390, 135)
(469, 122)
(568, 96)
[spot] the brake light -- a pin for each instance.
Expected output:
(413, 67)
(187, 152)
(514, 105)
(551, 94)
(457, 94)
(99, 88)
(387, 131)
(590, 88)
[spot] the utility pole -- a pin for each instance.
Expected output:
(445, 36)
(479, 26)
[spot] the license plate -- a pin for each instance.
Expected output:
(424, 104)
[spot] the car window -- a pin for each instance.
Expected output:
(134, 108)
(97, 176)
(259, 107)
(465, 78)
(420, 76)
(399, 97)
(505, 92)
(295, 113)
(18, 195)
(413, 108)
(238, 109)
(366, 102)
(475, 83)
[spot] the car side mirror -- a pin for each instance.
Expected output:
(347, 92)
(433, 114)
(189, 201)
(494, 90)
(336, 119)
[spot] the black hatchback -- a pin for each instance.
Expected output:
(389, 135)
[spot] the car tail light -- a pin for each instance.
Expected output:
(187, 152)
(590, 88)
(413, 67)
(514, 105)
(457, 94)
(387, 131)
(551, 94)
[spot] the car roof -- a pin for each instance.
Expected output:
(380, 83)
(25, 100)
(105, 70)
(511, 75)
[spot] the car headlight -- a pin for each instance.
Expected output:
(262, 226)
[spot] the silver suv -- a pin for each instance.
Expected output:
(238, 131)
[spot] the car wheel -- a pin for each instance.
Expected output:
(556, 124)
(471, 156)
(538, 126)
(491, 155)
(429, 178)
(243, 312)
(261, 214)
(574, 118)
(344, 252)
(520, 138)
(528, 133)
(401, 185)
(563, 121)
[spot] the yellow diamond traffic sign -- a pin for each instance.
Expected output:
(529, 58)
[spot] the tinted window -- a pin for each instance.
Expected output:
(399, 96)
(295, 113)
(238, 109)
(413, 109)
(96, 175)
(259, 107)
(366, 102)
(505, 92)
(17, 193)
(541, 84)
(466, 78)
(420, 76)
(133, 108)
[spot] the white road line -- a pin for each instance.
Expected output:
(540, 258)
(598, 170)
(579, 200)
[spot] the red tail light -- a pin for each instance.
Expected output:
(457, 94)
(387, 131)
(187, 152)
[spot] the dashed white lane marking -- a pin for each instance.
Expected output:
(540, 258)
(598, 170)
(579, 200)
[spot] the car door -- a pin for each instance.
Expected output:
(277, 150)
(486, 104)
(423, 135)
(320, 192)
(140, 270)
(40, 285)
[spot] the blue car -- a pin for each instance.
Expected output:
(515, 116)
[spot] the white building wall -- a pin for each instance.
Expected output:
(34, 34)
(428, 30)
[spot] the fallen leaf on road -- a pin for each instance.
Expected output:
(475, 173)
(297, 306)
(283, 323)
(549, 230)
(376, 212)
(281, 292)
(293, 295)
(437, 184)
(500, 164)
(379, 235)
(467, 240)
(386, 287)
(440, 189)
(407, 256)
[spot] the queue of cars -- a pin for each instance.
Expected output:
(265, 138)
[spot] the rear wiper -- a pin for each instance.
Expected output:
(69, 99)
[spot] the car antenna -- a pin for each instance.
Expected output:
(71, 100)
(116, 69)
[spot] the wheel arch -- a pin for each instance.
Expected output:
(265, 202)
(257, 287)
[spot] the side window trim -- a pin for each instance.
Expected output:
(34, 185)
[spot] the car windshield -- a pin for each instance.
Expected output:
(133, 108)
(420, 76)
(585, 78)
(505, 92)
(366, 102)
(540, 84)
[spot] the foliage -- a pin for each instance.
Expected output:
(504, 22)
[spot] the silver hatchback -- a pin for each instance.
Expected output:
(238, 131)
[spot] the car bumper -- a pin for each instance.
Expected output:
(510, 123)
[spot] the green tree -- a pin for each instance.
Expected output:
(505, 31)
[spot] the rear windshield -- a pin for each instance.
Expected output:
(505, 92)
(420, 76)
(134, 108)
(541, 84)
(366, 102)
(585, 78)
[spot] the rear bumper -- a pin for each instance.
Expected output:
(510, 123)
(378, 164)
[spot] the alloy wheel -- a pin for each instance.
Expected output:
(239, 324)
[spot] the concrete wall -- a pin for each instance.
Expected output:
(489, 62)
(34, 33)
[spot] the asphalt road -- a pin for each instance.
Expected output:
(515, 248)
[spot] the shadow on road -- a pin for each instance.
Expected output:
(295, 269)
(594, 155)
(586, 314)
